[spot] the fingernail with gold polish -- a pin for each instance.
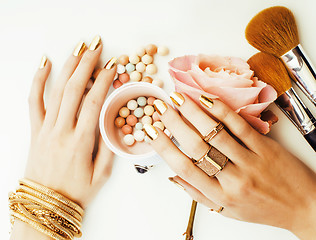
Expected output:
(79, 49)
(171, 179)
(111, 63)
(160, 106)
(150, 131)
(95, 43)
(206, 101)
(177, 98)
(43, 62)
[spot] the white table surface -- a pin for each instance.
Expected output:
(132, 206)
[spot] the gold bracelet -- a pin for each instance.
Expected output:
(46, 211)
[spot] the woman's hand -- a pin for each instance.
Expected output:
(62, 144)
(261, 183)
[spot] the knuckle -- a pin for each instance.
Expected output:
(185, 170)
(92, 102)
(228, 200)
(73, 88)
(245, 186)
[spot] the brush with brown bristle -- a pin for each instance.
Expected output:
(274, 31)
(272, 71)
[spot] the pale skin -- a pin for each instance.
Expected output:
(62, 142)
(262, 182)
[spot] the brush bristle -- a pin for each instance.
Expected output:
(271, 70)
(273, 31)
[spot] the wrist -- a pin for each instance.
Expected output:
(24, 231)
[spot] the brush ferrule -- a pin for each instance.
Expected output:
(296, 111)
(301, 67)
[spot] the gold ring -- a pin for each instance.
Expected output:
(218, 210)
(208, 137)
(212, 162)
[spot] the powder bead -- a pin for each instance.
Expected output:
(135, 76)
(156, 116)
(134, 59)
(159, 124)
(131, 120)
(163, 51)
(158, 82)
(149, 110)
(140, 67)
(124, 77)
(141, 101)
(147, 59)
(139, 112)
(150, 100)
(141, 51)
(129, 139)
(139, 126)
(127, 129)
(139, 135)
(123, 59)
(151, 69)
(132, 104)
(147, 79)
(130, 67)
(147, 120)
(120, 69)
(119, 122)
(151, 49)
(147, 140)
(117, 84)
(124, 112)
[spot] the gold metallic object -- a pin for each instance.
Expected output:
(177, 98)
(160, 106)
(79, 49)
(151, 131)
(206, 101)
(171, 179)
(43, 62)
(218, 210)
(111, 63)
(46, 211)
(208, 137)
(95, 43)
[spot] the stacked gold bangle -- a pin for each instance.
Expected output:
(46, 210)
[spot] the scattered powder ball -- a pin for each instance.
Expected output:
(147, 140)
(124, 77)
(120, 69)
(147, 59)
(147, 120)
(149, 110)
(159, 124)
(139, 126)
(151, 49)
(119, 122)
(123, 59)
(131, 120)
(150, 100)
(130, 67)
(135, 76)
(139, 135)
(141, 101)
(129, 139)
(127, 129)
(124, 112)
(163, 51)
(140, 67)
(156, 116)
(134, 59)
(147, 79)
(141, 51)
(117, 84)
(138, 112)
(151, 69)
(132, 104)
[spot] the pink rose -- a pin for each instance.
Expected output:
(227, 78)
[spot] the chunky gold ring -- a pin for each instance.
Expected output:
(212, 162)
(208, 137)
(218, 210)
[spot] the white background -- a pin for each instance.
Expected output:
(132, 206)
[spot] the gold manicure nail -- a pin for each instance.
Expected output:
(95, 43)
(206, 101)
(160, 106)
(79, 49)
(171, 179)
(150, 131)
(111, 63)
(177, 98)
(43, 62)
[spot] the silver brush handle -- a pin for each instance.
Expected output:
(298, 63)
(296, 111)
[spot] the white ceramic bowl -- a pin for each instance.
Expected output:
(140, 153)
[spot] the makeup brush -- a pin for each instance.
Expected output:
(274, 31)
(271, 70)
